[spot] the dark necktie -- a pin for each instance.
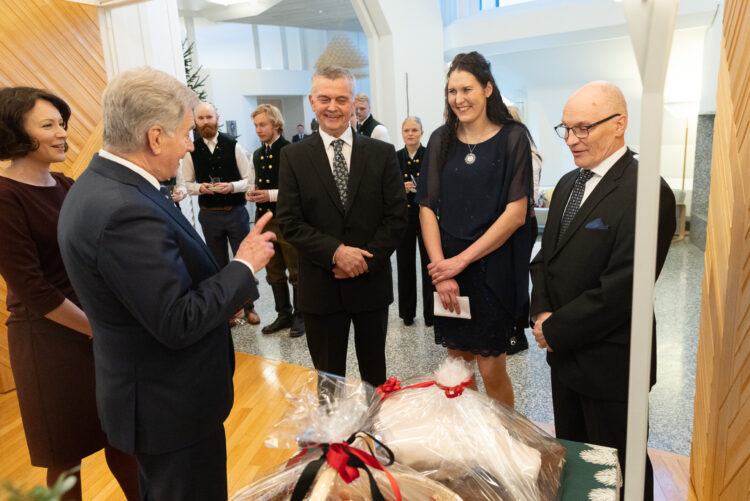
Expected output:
(575, 201)
(340, 172)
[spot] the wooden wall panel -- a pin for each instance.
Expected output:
(56, 45)
(720, 459)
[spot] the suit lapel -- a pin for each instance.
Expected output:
(356, 167)
(608, 183)
(319, 160)
(120, 173)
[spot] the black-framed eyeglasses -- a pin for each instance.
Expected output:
(580, 131)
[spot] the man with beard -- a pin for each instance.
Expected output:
(218, 172)
(366, 123)
(269, 126)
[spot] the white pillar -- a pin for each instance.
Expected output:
(145, 33)
(404, 38)
(651, 25)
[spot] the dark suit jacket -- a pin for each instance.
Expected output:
(158, 307)
(314, 220)
(297, 138)
(587, 281)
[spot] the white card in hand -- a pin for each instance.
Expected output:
(463, 303)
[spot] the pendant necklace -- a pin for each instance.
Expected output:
(470, 157)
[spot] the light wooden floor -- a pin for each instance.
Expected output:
(259, 402)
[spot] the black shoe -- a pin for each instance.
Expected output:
(408, 321)
(298, 326)
(283, 321)
(429, 322)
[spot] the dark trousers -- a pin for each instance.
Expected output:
(600, 422)
(328, 339)
(222, 226)
(197, 472)
(284, 259)
(406, 262)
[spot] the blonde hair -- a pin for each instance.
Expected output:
(273, 114)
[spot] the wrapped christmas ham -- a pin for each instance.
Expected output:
(471, 443)
(336, 461)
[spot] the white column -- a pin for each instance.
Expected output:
(404, 38)
(145, 33)
(651, 25)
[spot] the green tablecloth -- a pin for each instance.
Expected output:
(591, 472)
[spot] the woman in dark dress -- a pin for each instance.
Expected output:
(475, 195)
(49, 336)
(410, 160)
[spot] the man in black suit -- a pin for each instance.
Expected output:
(342, 205)
(300, 133)
(155, 296)
(582, 277)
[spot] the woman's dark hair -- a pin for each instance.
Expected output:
(497, 111)
(15, 103)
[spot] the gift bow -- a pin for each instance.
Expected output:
(393, 384)
(347, 461)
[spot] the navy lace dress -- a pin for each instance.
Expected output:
(467, 200)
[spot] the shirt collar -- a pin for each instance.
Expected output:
(602, 169)
(130, 165)
(213, 140)
(346, 136)
(273, 142)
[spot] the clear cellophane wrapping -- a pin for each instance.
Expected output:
(476, 446)
(329, 412)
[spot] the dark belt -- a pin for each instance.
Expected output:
(225, 208)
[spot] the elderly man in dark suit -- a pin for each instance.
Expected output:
(155, 296)
(342, 205)
(583, 275)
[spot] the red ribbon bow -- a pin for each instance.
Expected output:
(393, 384)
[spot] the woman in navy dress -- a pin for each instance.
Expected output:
(475, 196)
(49, 336)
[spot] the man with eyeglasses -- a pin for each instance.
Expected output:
(582, 277)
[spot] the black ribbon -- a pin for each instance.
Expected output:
(311, 470)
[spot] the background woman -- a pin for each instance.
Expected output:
(49, 336)
(410, 160)
(475, 195)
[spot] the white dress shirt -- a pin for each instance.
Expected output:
(346, 149)
(247, 175)
(599, 171)
(380, 132)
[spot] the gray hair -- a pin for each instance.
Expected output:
(136, 100)
(413, 118)
(334, 72)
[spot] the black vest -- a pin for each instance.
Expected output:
(267, 171)
(222, 163)
(368, 126)
(411, 168)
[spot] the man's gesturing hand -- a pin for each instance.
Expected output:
(350, 261)
(257, 247)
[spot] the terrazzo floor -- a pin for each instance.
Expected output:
(412, 351)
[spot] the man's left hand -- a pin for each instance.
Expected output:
(538, 332)
(223, 188)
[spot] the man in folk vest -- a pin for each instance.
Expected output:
(366, 124)
(218, 172)
(269, 125)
